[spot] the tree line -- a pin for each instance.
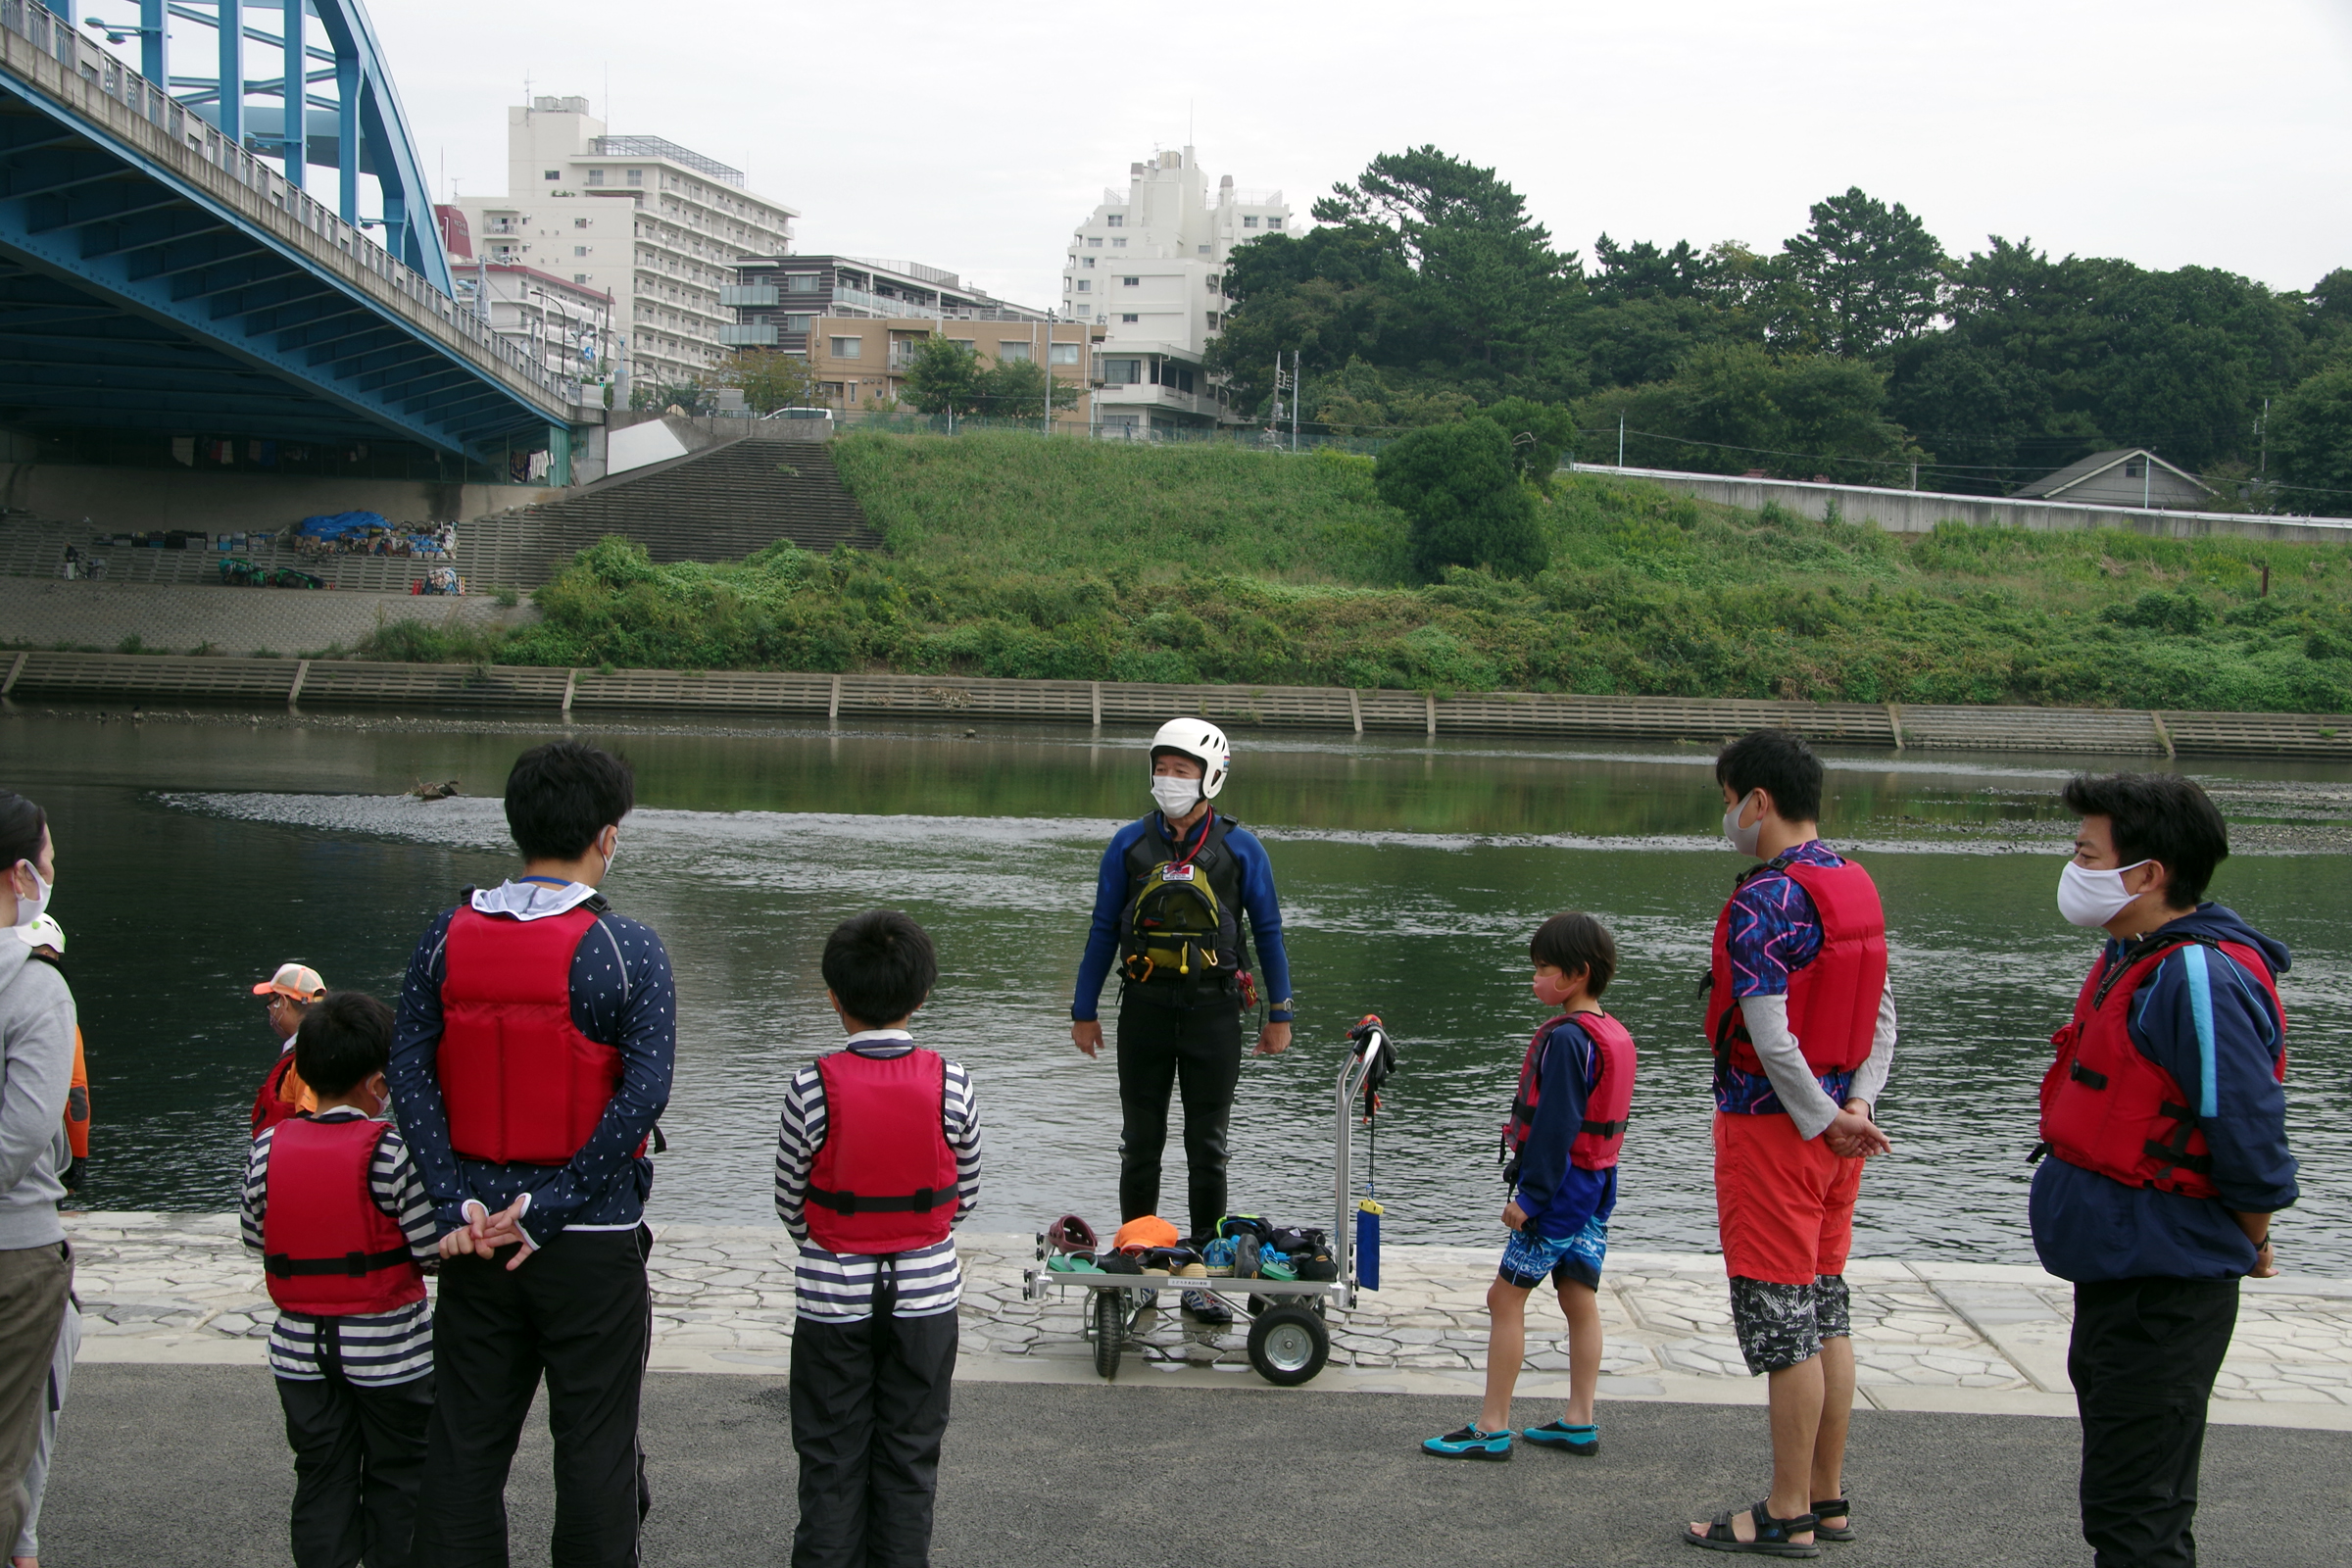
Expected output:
(1859, 350)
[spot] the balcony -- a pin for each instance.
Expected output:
(749, 294)
(747, 334)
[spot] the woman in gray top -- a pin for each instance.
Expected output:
(36, 1067)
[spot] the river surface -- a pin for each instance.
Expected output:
(197, 854)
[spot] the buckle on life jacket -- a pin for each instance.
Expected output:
(354, 1266)
(2085, 1075)
(2033, 1156)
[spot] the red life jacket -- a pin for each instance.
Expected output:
(1834, 1000)
(269, 1107)
(2106, 1108)
(521, 1085)
(329, 1250)
(884, 1180)
(1607, 1107)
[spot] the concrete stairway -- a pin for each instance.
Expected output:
(720, 504)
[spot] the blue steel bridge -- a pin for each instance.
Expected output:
(165, 268)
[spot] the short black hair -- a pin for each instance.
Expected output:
(344, 1039)
(21, 825)
(880, 966)
(2161, 818)
(1571, 942)
(1780, 764)
(562, 795)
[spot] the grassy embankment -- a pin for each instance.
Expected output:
(1013, 555)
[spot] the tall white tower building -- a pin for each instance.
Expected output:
(656, 225)
(1149, 265)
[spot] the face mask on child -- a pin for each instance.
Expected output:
(1551, 988)
(1743, 839)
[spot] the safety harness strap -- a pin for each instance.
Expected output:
(354, 1264)
(917, 1203)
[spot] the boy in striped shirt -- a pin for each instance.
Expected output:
(334, 1207)
(878, 1159)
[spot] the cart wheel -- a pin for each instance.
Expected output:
(1288, 1345)
(1111, 1331)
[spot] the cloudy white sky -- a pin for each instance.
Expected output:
(975, 135)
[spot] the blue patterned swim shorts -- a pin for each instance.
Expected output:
(1573, 1258)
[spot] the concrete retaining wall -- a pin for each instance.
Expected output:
(144, 500)
(324, 683)
(1920, 511)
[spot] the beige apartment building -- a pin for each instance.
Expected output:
(860, 362)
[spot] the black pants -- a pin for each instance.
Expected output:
(359, 1457)
(2144, 1359)
(576, 1313)
(1197, 1050)
(869, 1405)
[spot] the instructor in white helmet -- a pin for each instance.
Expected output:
(1182, 896)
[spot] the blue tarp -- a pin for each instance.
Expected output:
(340, 524)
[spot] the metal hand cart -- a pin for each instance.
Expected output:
(1288, 1340)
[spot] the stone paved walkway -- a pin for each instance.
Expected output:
(1927, 1336)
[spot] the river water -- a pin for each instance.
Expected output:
(198, 853)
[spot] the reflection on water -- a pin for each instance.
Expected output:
(196, 857)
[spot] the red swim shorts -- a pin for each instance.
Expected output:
(1784, 1205)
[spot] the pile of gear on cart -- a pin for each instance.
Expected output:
(1285, 1279)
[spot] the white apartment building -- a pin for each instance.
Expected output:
(1148, 266)
(658, 226)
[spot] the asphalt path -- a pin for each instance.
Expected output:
(161, 1464)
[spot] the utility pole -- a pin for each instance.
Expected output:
(1297, 386)
(1620, 438)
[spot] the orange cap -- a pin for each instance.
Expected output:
(1147, 1232)
(297, 980)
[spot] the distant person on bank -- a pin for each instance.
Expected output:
(878, 1161)
(2165, 1115)
(36, 1072)
(533, 1054)
(1179, 894)
(332, 1204)
(1804, 1033)
(290, 993)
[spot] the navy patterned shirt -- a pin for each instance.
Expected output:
(623, 996)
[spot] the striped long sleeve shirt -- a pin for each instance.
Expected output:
(375, 1347)
(839, 1286)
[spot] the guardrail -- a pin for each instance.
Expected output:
(2127, 732)
(79, 59)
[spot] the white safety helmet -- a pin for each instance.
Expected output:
(1202, 741)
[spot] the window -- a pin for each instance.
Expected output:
(1129, 319)
(1132, 282)
(1086, 285)
(636, 176)
(1250, 221)
(1123, 372)
(800, 282)
(553, 173)
(1110, 220)
(1204, 250)
(1086, 260)
(847, 348)
(1213, 320)
(579, 223)
(579, 250)
(794, 324)
(1011, 352)
(968, 345)
(1214, 282)
(595, 176)
(580, 278)
(1094, 244)
(1118, 244)
(1275, 222)
(1061, 354)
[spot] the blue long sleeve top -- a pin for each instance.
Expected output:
(1557, 1196)
(623, 996)
(1259, 902)
(2088, 1227)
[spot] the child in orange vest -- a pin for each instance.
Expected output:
(878, 1159)
(1567, 1122)
(334, 1207)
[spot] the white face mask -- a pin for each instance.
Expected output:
(1743, 839)
(2093, 898)
(32, 909)
(1176, 795)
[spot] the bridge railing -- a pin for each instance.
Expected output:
(55, 37)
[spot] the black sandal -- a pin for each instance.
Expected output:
(1772, 1535)
(1834, 1508)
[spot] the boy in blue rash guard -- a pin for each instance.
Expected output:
(1567, 1124)
(2163, 1114)
(1169, 902)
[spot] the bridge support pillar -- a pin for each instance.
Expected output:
(558, 456)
